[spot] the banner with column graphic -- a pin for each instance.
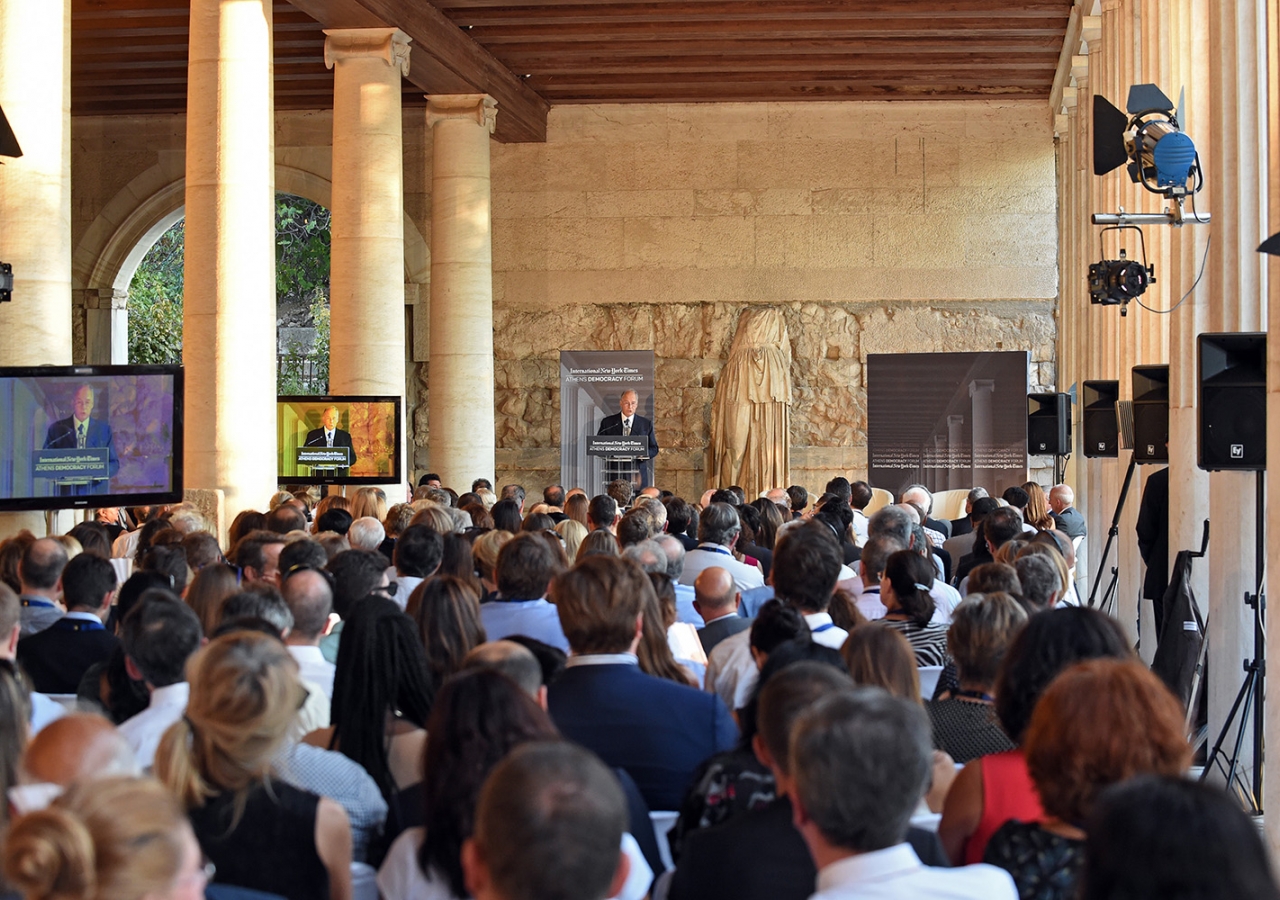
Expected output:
(591, 385)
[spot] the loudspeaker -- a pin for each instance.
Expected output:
(1232, 407)
(1048, 424)
(1098, 418)
(1151, 414)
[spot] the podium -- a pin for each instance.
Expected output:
(621, 457)
(74, 471)
(324, 461)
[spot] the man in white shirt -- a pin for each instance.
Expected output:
(309, 596)
(860, 761)
(418, 553)
(870, 569)
(159, 635)
(718, 530)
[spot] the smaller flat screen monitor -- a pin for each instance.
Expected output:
(88, 436)
(338, 440)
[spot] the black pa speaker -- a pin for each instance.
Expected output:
(1049, 424)
(1232, 408)
(1151, 414)
(1098, 418)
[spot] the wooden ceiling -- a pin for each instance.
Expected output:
(129, 56)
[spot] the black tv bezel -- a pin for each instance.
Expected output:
(396, 475)
(97, 501)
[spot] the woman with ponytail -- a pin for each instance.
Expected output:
(112, 839)
(262, 834)
(904, 591)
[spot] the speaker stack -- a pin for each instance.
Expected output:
(1151, 414)
(1049, 424)
(1232, 404)
(1098, 401)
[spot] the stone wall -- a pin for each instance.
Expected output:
(876, 227)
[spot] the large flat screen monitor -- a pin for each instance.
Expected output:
(84, 436)
(338, 440)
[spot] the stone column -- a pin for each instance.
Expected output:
(35, 193)
(1237, 175)
(229, 295)
(460, 369)
(366, 280)
(106, 327)
(1271, 784)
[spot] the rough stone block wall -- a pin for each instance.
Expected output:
(876, 227)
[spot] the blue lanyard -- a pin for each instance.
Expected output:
(825, 627)
(714, 548)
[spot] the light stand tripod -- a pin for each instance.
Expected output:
(1112, 533)
(1249, 698)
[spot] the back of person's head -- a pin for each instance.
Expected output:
(169, 560)
(775, 624)
(250, 550)
(621, 491)
(634, 527)
(479, 717)
(647, 554)
(303, 553)
(599, 601)
(105, 839)
(841, 488)
(202, 550)
(806, 566)
(883, 658)
(836, 513)
(1098, 723)
(132, 590)
(994, 577)
(911, 576)
(1048, 644)
(12, 549)
(876, 552)
(553, 495)
(245, 521)
(259, 602)
(381, 669)
(42, 563)
(366, 533)
(93, 538)
(549, 824)
(369, 501)
(598, 543)
(77, 747)
(446, 611)
(244, 693)
(602, 511)
(1015, 497)
(799, 498)
(308, 593)
(418, 551)
(508, 658)
(860, 495)
(356, 574)
(982, 507)
(15, 718)
(1002, 525)
(1171, 838)
(506, 515)
(675, 553)
(982, 628)
(892, 521)
(860, 760)
(1040, 580)
(286, 518)
(550, 659)
(207, 592)
(86, 582)
(159, 634)
(525, 567)
(679, 515)
(719, 524)
(335, 520)
(788, 693)
(485, 550)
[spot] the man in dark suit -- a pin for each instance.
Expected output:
(330, 435)
(658, 730)
(57, 657)
(711, 865)
(716, 598)
(627, 424)
(79, 431)
(1070, 520)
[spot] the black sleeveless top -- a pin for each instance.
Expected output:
(273, 846)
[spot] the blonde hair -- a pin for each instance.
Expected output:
(485, 551)
(107, 839)
(70, 544)
(278, 498)
(573, 532)
(244, 694)
(369, 501)
(436, 518)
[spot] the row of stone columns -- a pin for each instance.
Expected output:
(1217, 51)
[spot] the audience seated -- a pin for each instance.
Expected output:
(40, 582)
(308, 594)
(881, 657)
(718, 531)
(1099, 723)
(525, 567)
(418, 553)
(657, 730)
(447, 612)
(158, 636)
(718, 599)
(77, 747)
(57, 657)
(904, 590)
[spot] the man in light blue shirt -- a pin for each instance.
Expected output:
(526, 565)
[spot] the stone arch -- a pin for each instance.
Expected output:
(113, 246)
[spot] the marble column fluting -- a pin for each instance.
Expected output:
(460, 373)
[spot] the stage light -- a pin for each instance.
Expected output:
(1115, 282)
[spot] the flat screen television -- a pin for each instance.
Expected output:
(87, 436)
(338, 440)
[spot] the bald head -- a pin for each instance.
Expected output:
(779, 496)
(911, 511)
(77, 747)
(508, 658)
(1061, 497)
(715, 592)
(41, 567)
(706, 498)
(919, 496)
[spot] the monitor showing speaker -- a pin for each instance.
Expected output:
(1151, 414)
(1232, 401)
(1098, 401)
(1049, 424)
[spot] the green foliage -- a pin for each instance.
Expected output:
(300, 372)
(302, 251)
(155, 302)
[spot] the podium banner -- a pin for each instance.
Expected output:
(324, 457)
(591, 385)
(87, 464)
(630, 447)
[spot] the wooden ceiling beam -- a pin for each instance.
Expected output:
(661, 8)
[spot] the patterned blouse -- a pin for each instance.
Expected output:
(1044, 865)
(928, 641)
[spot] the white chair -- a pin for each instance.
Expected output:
(949, 505)
(929, 676)
(880, 498)
(663, 821)
(364, 881)
(66, 701)
(926, 820)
